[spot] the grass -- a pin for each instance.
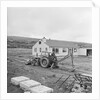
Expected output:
(16, 67)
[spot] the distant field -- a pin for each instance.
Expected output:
(19, 51)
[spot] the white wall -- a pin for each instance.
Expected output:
(75, 53)
(82, 51)
(61, 53)
(38, 46)
(43, 45)
(50, 49)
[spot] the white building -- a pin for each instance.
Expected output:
(87, 51)
(60, 47)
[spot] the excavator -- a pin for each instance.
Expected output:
(48, 59)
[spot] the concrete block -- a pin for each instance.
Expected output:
(17, 80)
(41, 89)
(25, 85)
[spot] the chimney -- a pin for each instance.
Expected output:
(44, 39)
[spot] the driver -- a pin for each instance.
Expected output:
(54, 58)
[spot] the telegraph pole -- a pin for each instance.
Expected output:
(72, 57)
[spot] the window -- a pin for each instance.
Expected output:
(56, 50)
(75, 50)
(53, 49)
(39, 42)
(35, 49)
(40, 49)
(46, 49)
(64, 50)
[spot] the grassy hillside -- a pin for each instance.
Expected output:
(22, 39)
(24, 42)
(20, 42)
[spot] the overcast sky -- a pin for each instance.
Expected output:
(70, 24)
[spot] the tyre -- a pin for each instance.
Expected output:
(44, 62)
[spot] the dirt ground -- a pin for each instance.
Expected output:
(16, 58)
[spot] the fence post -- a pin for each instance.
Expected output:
(72, 58)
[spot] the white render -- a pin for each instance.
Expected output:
(41, 89)
(60, 53)
(17, 80)
(82, 51)
(25, 85)
(50, 49)
(42, 46)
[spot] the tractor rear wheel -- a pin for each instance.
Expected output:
(44, 62)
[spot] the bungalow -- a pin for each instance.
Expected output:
(60, 47)
(85, 51)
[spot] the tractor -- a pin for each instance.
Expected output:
(48, 59)
(45, 60)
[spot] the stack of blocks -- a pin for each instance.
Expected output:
(26, 85)
(41, 89)
(30, 86)
(17, 80)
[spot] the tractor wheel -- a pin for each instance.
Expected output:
(44, 62)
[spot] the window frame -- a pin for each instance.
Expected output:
(39, 42)
(46, 49)
(64, 50)
(55, 50)
(35, 49)
(40, 49)
(75, 49)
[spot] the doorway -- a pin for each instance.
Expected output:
(89, 52)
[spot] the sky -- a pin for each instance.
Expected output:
(60, 23)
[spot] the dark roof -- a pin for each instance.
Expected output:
(84, 45)
(64, 44)
(67, 44)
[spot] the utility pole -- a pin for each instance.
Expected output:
(72, 57)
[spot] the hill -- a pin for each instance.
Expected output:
(20, 42)
(21, 39)
(25, 42)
